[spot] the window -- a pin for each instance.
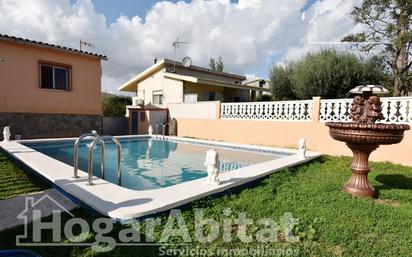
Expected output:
(219, 97)
(142, 116)
(211, 96)
(55, 76)
(158, 97)
(237, 99)
(190, 98)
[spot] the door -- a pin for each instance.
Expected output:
(134, 123)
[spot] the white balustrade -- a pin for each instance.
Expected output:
(335, 110)
(282, 110)
(396, 110)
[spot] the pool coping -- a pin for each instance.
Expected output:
(122, 204)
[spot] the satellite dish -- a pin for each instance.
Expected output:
(187, 62)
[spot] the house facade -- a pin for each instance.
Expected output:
(48, 90)
(168, 82)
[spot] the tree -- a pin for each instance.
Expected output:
(212, 63)
(280, 82)
(114, 105)
(216, 65)
(388, 31)
(327, 73)
(219, 64)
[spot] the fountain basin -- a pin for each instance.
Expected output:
(358, 133)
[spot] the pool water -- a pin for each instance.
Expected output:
(150, 164)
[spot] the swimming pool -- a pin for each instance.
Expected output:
(158, 174)
(150, 163)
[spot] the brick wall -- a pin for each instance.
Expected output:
(35, 125)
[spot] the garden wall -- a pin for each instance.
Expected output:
(284, 123)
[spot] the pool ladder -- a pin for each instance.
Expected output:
(163, 129)
(97, 139)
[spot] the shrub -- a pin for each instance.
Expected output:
(115, 106)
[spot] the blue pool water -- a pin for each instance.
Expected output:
(149, 163)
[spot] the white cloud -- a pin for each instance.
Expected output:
(247, 35)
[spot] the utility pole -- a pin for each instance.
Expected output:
(176, 45)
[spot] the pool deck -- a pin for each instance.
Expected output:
(123, 204)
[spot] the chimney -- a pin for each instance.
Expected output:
(155, 60)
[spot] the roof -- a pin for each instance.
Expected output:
(211, 82)
(254, 79)
(194, 67)
(132, 83)
(25, 41)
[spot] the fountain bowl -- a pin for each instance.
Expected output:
(358, 133)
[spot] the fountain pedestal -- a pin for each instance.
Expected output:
(358, 184)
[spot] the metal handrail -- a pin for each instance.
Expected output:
(164, 126)
(119, 158)
(76, 151)
(157, 129)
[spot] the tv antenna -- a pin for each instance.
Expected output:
(84, 43)
(176, 45)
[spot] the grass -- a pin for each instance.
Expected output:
(14, 181)
(331, 223)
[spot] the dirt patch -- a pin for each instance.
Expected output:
(392, 203)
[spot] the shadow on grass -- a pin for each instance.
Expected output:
(393, 181)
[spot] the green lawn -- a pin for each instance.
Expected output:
(14, 181)
(331, 223)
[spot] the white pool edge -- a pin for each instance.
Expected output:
(121, 203)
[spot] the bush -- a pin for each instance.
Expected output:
(264, 98)
(115, 106)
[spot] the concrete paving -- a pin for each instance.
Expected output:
(14, 211)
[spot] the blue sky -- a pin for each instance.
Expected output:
(113, 9)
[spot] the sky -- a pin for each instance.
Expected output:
(249, 35)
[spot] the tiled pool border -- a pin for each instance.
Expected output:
(108, 199)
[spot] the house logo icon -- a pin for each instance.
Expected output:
(34, 210)
(331, 15)
(316, 37)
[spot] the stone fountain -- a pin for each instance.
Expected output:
(363, 135)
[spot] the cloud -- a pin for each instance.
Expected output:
(249, 35)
